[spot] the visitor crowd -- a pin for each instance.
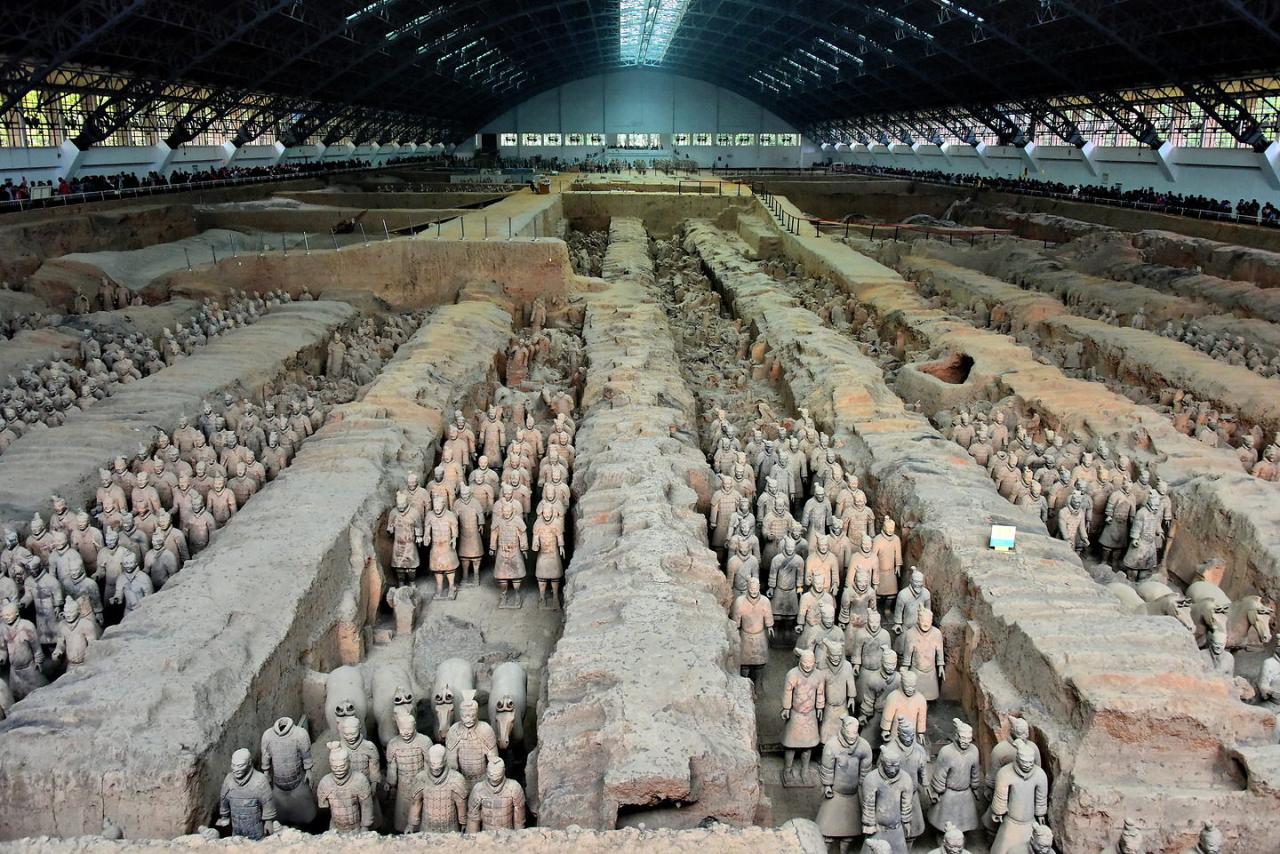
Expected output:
(1201, 207)
(38, 191)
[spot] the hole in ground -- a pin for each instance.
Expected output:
(954, 369)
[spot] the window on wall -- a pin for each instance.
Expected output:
(724, 139)
(551, 139)
(508, 140)
(531, 139)
(575, 139)
(768, 139)
(680, 138)
(595, 139)
(788, 139)
(702, 139)
(744, 139)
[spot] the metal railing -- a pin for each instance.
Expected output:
(785, 218)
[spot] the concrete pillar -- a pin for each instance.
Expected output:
(70, 159)
(1269, 163)
(981, 150)
(1087, 154)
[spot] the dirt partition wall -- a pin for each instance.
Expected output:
(65, 460)
(885, 199)
(661, 213)
(395, 199)
(143, 733)
(644, 717)
(317, 222)
(1111, 698)
(405, 273)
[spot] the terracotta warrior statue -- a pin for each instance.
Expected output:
(509, 542)
(923, 653)
(440, 535)
(496, 802)
(286, 761)
(846, 761)
(246, 804)
(907, 745)
(20, 649)
(904, 704)
(1210, 841)
(548, 542)
(440, 802)
(803, 702)
(78, 630)
(406, 758)
(956, 782)
(753, 616)
(887, 548)
(742, 566)
(1146, 537)
(785, 572)
(405, 527)
(1020, 800)
(347, 794)
(887, 802)
(841, 688)
(471, 742)
(1130, 841)
(471, 512)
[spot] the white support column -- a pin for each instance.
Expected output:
(69, 159)
(1087, 154)
(1164, 161)
(981, 150)
(1269, 163)
(1029, 155)
(941, 151)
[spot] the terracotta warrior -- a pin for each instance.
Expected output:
(405, 527)
(840, 689)
(1020, 800)
(406, 759)
(471, 742)
(753, 616)
(908, 603)
(875, 686)
(440, 535)
(846, 760)
(724, 501)
(956, 781)
(548, 543)
(509, 542)
(286, 760)
(888, 551)
(47, 596)
(1118, 514)
(822, 563)
(496, 802)
(923, 653)
(1209, 842)
(742, 566)
(20, 649)
(1146, 536)
(803, 702)
(887, 798)
(470, 512)
(1130, 841)
(907, 745)
(78, 630)
(440, 802)
(246, 804)
(784, 575)
(347, 794)
(200, 525)
(904, 704)
(363, 756)
(952, 842)
(221, 501)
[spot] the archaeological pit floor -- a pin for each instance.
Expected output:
(666, 301)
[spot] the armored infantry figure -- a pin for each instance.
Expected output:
(20, 649)
(1021, 799)
(1118, 515)
(888, 551)
(440, 534)
(914, 759)
(956, 781)
(47, 595)
(406, 759)
(496, 802)
(159, 563)
(904, 704)
(1146, 536)
(79, 629)
(803, 702)
(846, 760)
(742, 566)
(887, 797)
(347, 794)
(952, 842)
(875, 686)
(822, 563)
(221, 501)
(809, 613)
(471, 743)
(132, 586)
(909, 601)
(753, 616)
(245, 804)
(199, 527)
(405, 527)
(509, 542)
(81, 588)
(471, 516)
(1072, 524)
(286, 760)
(840, 689)
(784, 575)
(364, 759)
(548, 542)
(724, 501)
(440, 802)
(923, 653)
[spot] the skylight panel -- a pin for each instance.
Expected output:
(646, 28)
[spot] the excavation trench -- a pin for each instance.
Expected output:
(1031, 623)
(1227, 514)
(201, 670)
(644, 717)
